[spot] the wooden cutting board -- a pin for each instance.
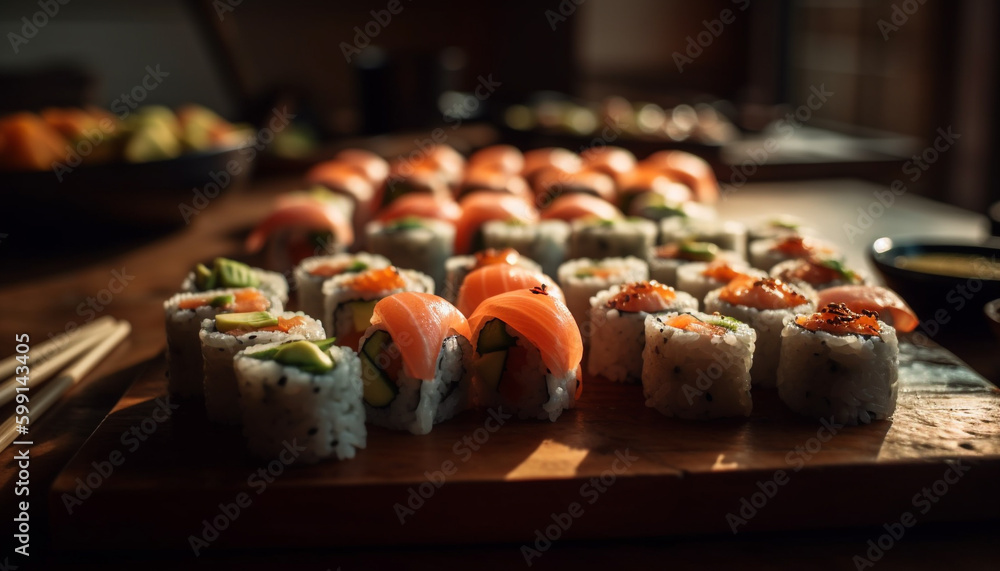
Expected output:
(609, 468)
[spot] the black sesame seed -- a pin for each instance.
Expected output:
(252, 337)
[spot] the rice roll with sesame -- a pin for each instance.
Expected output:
(584, 278)
(764, 304)
(699, 278)
(184, 314)
(310, 274)
(421, 244)
(816, 272)
(457, 267)
(596, 239)
(544, 242)
(228, 333)
(697, 365)
(839, 365)
(617, 320)
(665, 260)
(765, 254)
(301, 393)
(226, 273)
(726, 234)
(416, 362)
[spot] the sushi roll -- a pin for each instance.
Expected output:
(584, 278)
(639, 187)
(184, 313)
(817, 273)
(348, 180)
(227, 334)
(890, 307)
(765, 254)
(555, 157)
(304, 224)
(598, 239)
(779, 227)
(764, 304)
(699, 278)
(543, 242)
(839, 365)
(416, 361)
(457, 267)
(527, 354)
(420, 244)
(421, 206)
(697, 365)
(617, 318)
(726, 234)
(312, 272)
(665, 260)
(226, 273)
(301, 393)
(373, 167)
(551, 183)
(688, 169)
(489, 281)
(500, 158)
(577, 206)
(483, 179)
(615, 162)
(478, 208)
(348, 300)
(420, 176)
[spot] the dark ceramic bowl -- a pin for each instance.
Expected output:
(992, 311)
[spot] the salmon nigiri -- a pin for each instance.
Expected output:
(479, 208)
(494, 279)
(859, 298)
(570, 207)
(416, 351)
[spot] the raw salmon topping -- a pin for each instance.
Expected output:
(489, 281)
(766, 293)
(418, 324)
(331, 270)
(491, 256)
(691, 323)
(798, 246)
(651, 296)
(285, 324)
(722, 272)
(819, 271)
(837, 319)
(378, 280)
(858, 298)
(239, 301)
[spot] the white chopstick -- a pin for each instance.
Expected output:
(43, 399)
(41, 373)
(52, 346)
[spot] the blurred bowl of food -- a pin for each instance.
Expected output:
(940, 280)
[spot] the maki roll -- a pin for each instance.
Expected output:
(527, 353)
(304, 224)
(765, 254)
(551, 183)
(817, 273)
(226, 273)
(558, 158)
(348, 180)
(584, 278)
(415, 362)
(764, 304)
(543, 242)
(421, 244)
(697, 365)
(577, 206)
(499, 158)
(699, 278)
(598, 239)
(312, 272)
(301, 393)
(726, 234)
(779, 227)
(480, 207)
(457, 267)
(688, 169)
(222, 337)
(184, 314)
(839, 365)
(665, 260)
(349, 299)
(489, 281)
(890, 307)
(617, 318)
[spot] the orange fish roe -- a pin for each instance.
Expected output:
(690, 323)
(648, 296)
(492, 256)
(285, 324)
(378, 280)
(837, 319)
(766, 293)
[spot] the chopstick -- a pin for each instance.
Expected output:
(41, 373)
(45, 350)
(44, 399)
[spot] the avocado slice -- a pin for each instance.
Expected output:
(699, 251)
(204, 278)
(362, 313)
(489, 368)
(268, 355)
(230, 273)
(379, 389)
(253, 320)
(304, 355)
(494, 337)
(729, 323)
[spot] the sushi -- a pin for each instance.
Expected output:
(571, 207)
(421, 206)
(478, 208)
(612, 161)
(551, 183)
(697, 365)
(543, 242)
(312, 272)
(665, 260)
(184, 314)
(688, 169)
(488, 281)
(421, 244)
(483, 179)
(226, 273)
(779, 227)
(699, 278)
(839, 365)
(764, 304)
(457, 267)
(596, 239)
(416, 362)
(349, 299)
(301, 394)
(584, 278)
(617, 319)
(890, 307)
(304, 224)
(527, 354)
(727, 235)
(560, 159)
(817, 273)
(500, 158)
(348, 180)
(225, 335)
(371, 166)
(765, 254)
(637, 188)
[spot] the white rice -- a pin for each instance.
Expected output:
(271, 283)
(691, 278)
(726, 234)
(850, 379)
(764, 256)
(309, 288)
(544, 242)
(457, 267)
(579, 289)
(423, 249)
(284, 406)
(339, 319)
(599, 239)
(664, 270)
(696, 376)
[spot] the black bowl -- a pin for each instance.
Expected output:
(940, 301)
(992, 311)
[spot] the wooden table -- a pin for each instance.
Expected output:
(46, 305)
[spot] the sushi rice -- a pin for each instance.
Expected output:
(544, 242)
(579, 287)
(309, 287)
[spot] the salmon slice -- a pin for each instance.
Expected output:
(308, 213)
(569, 207)
(649, 296)
(541, 319)
(479, 208)
(766, 293)
(858, 298)
(690, 170)
(344, 178)
(421, 206)
(838, 319)
(418, 324)
(488, 281)
(244, 301)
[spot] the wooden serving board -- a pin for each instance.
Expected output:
(672, 476)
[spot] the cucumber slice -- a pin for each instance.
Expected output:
(361, 311)
(494, 337)
(489, 368)
(376, 345)
(379, 390)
